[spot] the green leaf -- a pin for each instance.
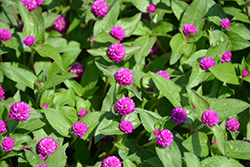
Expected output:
(155, 161)
(104, 37)
(241, 17)
(242, 30)
(215, 14)
(220, 161)
(58, 158)
(170, 155)
(220, 137)
(33, 158)
(237, 41)
(162, 28)
(58, 121)
(110, 70)
(191, 160)
(13, 43)
(133, 88)
(158, 63)
(197, 144)
(238, 149)
(217, 37)
(110, 98)
(178, 8)
(179, 46)
(102, 51)
(196, 57)
(47, 97)
(197, 76)
(130, 50)
(225, 72)
(128, 163)
(141, 5)
(62, 45)
(112, 129)
(217, 51)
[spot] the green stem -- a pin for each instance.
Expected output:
(140, 135)
(248, 10)
(10, 162)
(90, 143)
(160, 46)
(32, 60)
(109, 153)
(17, 19)
(11, 88)
(148, 144)
(74, 139)
(106, 85)
(96, 155)
(238, 90)
(197, 128)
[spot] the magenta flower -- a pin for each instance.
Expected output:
(92, 39)
(126, 126)
(45, 105)
(8, 144)
(207, 62)
(124, 76)
(150, 89)
(80, 128)
(2, 92)
(100, 8)
(125, 106)
(226, 57)
(151, 8)
(82, 112)
(225, 23)
(157, 132)
(164, 74)
(29, 40)
(20, 111)
(5, 35)
(30, 4)
(117, 32)
(61, 24)
(111, 161)
(245, 73)
(233, 124)
(20, 27)
(179, 115)
(154, 50)
(210, 118)
(189, 29)
(3, 126)
(165, 138)
(42, 157)
(77, 69)
(41, 165)
(215, 143)
(39, 2)
(47, 146)
(116, 52)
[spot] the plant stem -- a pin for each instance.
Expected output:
(110, 152)
(140, 135)
(197, 128)
(74, 139)
(90, 143)
(17, 19)
(106, 85)
(160, 46)
(148, 144)
(238, 90)
(10, 162)
(32, 60)
(12, 90)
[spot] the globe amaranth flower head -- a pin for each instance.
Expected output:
(154, 50)
(245, 73)
(179, 115)
(117, 32)
(5, 34)
(30, 4)
(20, 111)
(210, 118)
(20, 27)
(82, 112)
(157, 132)
(189, 29)
(45, 105)
(29, 40)
(61, 24)
(125, 106)
(226, 57)
(8, 144)
(225, 23)
(3, 126)
(233, 124)
(47, 146)
(116, 52)
(111, 161)
(80, 128)
(126, 126)
(207, 62)
(77, 69)
(41, 165)
(100, 8)
(165, 138)
(124, 76)
(2, 92)
(164, 74)
(151, 8)
(42, 157)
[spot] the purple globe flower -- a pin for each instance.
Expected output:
(80, 128)
(233, 124)
(8, 144)
(100, 8)
(117, 32)
(207, 62)
(165, 138)
(111, 161)
(154, 50)
(245, 140)
(145, 16)
(92, 39)
(82, 112)
(245, 73)
(225, 23)
(42, 157)
(2, 92)
(20, 111)
(226, 57)
(215, 143)
(47, 146)
(157, 132)
(151, 8)
(39, 2)
(210, 118)
(61, 24)
(124, 76)
(189, 29)
(3, 126)
(105, 138)
(30, 4)
(20, 27)
(164, 74)
(77, 69)
(150, 89)
(45, 105)
(125, 106)
(29, 40)
(126, 126)
(41, 165)
(5, 35)
(179, 115)
(116, 52)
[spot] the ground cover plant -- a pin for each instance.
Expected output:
(147, 83)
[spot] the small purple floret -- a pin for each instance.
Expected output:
(61, 24)
(100, 8)
(164, 74)
(111, 161)
(151, 8)
(210, 118)
(77, 69)
(82, 112)
(226, 57)
(154, 50)
(5, 34)
(125, 106)
(245, 73)
(29, 40)
(3, 126)
(207, 62)
(42, 157)
(117, 32)
(45, 105)
(157, 132)
(80, 129)
(165, 138)
(41, 165)
(47, 146)
(189, 29)
(179, 115)
(30, 4)
(126, 126)
(2, 92)
(39, 2)
(124, 76)
(20, 111)
(225, 23)
(8, 144)
(116, 52)
(233, 124)
(20, 27)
